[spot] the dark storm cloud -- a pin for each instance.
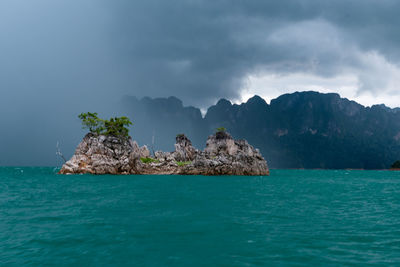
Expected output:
(59, 58)
(202, 50)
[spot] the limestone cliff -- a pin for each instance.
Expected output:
(120, 155)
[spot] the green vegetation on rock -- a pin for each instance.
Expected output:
(117, 126)
(183, 163)
(92, 122)
(149, 160)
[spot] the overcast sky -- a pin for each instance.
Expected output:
(61, 57)
(198, 50)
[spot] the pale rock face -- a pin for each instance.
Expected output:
(135, 153)
(100, 155)
(221, 142)
(163, 156)
(184, 151)
(225, 156)
(111, 155)
(144, 152)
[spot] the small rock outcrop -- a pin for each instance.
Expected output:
(120, 155)
(184, 151)
(395, 166)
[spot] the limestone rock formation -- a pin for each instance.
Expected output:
(184, 151)
(224, 155)
(112, 155)
(103, 155)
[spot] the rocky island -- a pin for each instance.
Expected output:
(395, 166)
(102, 153)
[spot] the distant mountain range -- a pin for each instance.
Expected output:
(299, 130)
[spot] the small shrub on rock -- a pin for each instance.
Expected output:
(220, 129)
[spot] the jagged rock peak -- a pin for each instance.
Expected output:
(184, 151)
(256, 100)
(220, 142)
(232, 157)
(101, 154)
(224, 102)
(182, 139)
(222, 135)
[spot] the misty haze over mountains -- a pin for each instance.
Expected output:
(299, 130)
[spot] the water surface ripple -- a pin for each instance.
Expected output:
(293, 217)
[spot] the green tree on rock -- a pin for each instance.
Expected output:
(117, 126)
(92, 122)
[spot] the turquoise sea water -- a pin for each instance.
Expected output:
(293, 217)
